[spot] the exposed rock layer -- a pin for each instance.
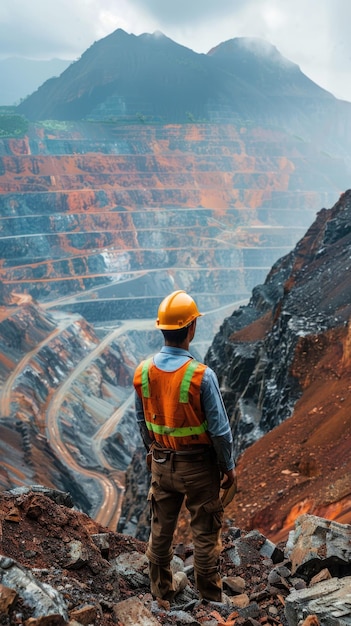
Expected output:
(104, 220)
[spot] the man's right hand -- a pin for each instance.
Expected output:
(230, 479)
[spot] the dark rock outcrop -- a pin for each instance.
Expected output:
(283, 363)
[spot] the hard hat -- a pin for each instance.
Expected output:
(176, 311)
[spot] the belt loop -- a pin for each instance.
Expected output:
(172, 458)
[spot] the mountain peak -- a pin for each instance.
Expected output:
(254, 47)
(158, 34)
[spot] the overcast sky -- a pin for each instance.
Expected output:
(315, 34)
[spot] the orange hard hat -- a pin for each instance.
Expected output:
(176, 311)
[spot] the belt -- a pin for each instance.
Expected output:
(161, 455)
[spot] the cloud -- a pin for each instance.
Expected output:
(40, 28)
(62, 28)
(181, 12)
(316, 37)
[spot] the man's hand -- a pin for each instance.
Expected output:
(230, 479)
(230, 487)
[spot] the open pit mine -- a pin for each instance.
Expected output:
(101, 215)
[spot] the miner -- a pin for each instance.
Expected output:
(185, 428)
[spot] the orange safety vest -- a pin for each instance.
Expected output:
(171, 403)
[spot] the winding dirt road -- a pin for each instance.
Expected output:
(107, 509)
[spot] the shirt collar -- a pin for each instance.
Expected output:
(175, 351)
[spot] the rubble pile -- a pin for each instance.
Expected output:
(59, 567)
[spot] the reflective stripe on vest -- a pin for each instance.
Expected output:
(145, 389)
(185, 431)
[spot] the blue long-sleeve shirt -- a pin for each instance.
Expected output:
(170, 359)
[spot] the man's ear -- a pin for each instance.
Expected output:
(192, 329)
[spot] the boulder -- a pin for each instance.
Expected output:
(329, 601)
(317, 543)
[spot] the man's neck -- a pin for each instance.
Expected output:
(184, 345)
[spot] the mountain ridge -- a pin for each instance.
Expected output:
(150, 77)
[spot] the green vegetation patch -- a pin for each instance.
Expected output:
(12, 124)
(52, 125)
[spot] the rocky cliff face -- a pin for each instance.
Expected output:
(262, 352)
(286, 358)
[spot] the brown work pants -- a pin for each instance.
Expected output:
(196, 478)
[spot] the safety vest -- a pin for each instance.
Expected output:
(171, 403)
